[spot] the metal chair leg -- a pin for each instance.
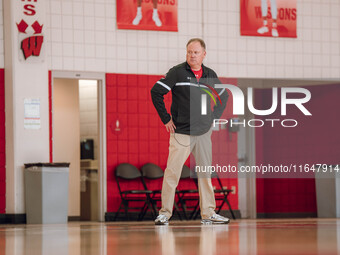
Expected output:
(117, 213)
(231, 210)
(184, 206)
(143, 211)
(126, 206)
(195, 212)
(177, 210)
(220, 206)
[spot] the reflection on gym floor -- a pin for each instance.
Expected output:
(298, 236)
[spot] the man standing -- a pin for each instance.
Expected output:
(190, 130)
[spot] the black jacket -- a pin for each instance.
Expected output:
(186, 99)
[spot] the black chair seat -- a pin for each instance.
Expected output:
(187, 191)
(223, 190)
(137, 192)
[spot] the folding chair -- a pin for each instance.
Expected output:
(126, 172)
(151, 173)
(188, 195)
(222, 194)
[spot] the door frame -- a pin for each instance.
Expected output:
(247, 156)
(247, 182)
(100, 77)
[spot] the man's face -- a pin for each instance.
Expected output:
(195, 55)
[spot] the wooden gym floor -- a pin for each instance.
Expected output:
(281, 236)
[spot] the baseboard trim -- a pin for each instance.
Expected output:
(12, 218)
(133, 216)
(73, 218)
(287, 215)
(21, 218)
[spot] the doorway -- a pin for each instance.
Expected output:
(78, 136)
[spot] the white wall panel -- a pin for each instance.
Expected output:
(98, 46)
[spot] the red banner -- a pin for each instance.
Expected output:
(273, 18)
(160, 15)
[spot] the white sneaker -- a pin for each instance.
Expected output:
(274, 32)
(156, 19)
(137, 19)
(215, 219)
(263, 30)
(161, 220)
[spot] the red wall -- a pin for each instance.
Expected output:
(2, 144)
(143, 137)
(316, 139)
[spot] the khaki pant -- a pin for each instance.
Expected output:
(179, 150)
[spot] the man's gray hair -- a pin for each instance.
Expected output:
(197, 40)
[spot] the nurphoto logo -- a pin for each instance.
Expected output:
(238, 105)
